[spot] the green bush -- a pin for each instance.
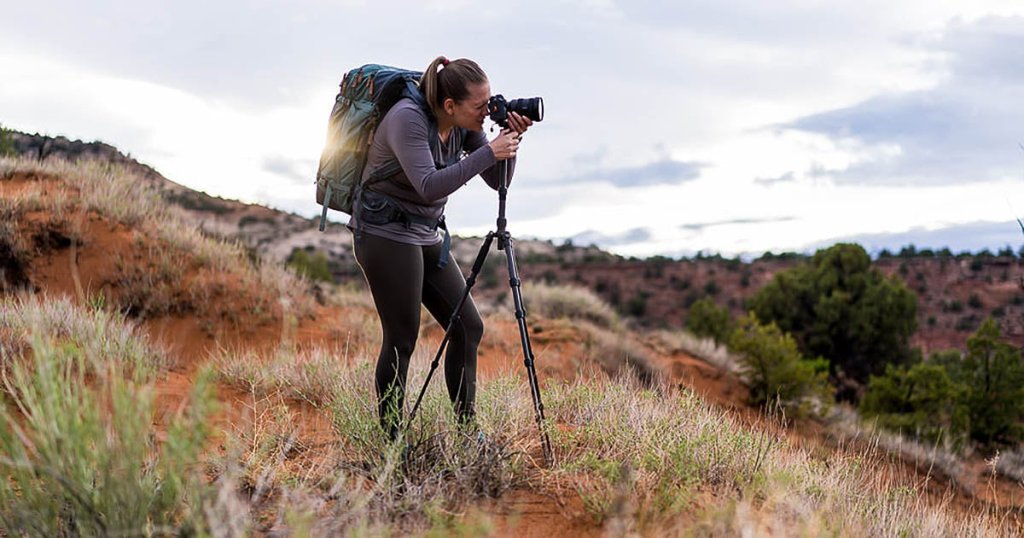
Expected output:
(993, 373)
(6, 143)
(775, 370)
(312, 266)
(709, 320)
(81, 458)
(637, 305)
(841, 308)
(979, 394)
(921, 400)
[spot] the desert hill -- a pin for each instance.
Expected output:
(956, 291)
(250, 396)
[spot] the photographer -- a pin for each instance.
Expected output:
(397, 243)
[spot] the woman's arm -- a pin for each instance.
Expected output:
(407, 135)
(517, 125)
(492, 175)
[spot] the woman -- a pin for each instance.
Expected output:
(397, 244)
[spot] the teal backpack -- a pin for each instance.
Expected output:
(366, 95)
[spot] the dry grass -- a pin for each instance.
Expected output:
(554, 301)
(78, 446)
(82, 457)
(845, 424)
(1010, 463)
(174, 245)
(639, 458)
(102, 337)
(619, 354)
(642, 461)
(705, 349)
(368, 484)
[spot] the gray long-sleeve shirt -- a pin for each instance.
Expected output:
(421, 189)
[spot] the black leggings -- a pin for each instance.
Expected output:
(402, 276)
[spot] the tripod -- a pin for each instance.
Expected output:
(504, 243)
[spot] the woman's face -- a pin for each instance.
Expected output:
(470, 112)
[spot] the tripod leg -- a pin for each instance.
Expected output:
(531, 372)
(470, 282)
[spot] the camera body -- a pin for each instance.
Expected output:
(499, 109)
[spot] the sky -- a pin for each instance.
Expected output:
(733, 127)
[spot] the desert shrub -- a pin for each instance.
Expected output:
(312, 266)
(636, 306)
(979, 394)
(104, 337)
(840, 308)
(6, 143)
(623, 446)
(920, 400)
(571, 302)
(79, 455)
(619, 354)
(707, 319)
(993, 373)
(954, 306)
(776, 371)
(967, 322)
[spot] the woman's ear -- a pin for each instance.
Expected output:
(449, 106)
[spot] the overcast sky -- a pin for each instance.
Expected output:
(732, 126)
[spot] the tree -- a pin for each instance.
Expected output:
(775, 370)
(839, 307)
(921, 400)
(993, 374)
(707, 319)
(6, 143)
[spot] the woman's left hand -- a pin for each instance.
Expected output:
(519, 123)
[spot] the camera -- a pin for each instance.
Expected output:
(499, 109)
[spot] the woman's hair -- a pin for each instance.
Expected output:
(445, 79)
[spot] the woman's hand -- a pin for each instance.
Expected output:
(505, 144)
(519, 123)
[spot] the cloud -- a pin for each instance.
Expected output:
(665, 171)
(973, 237)
(591, 237)
(768, 181)
(964, 129)
(298, 170)
(700, 226)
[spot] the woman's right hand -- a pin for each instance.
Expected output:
(505, 144)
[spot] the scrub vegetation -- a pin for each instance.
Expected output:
(99, 436)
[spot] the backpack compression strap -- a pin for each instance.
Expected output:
(327, 204)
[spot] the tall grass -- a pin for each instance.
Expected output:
(78, 450)
(642, 460)
(639, 459)
(103, 339)
(571, 302)
(705, 349)
(421, 481)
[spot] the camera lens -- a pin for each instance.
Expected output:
(532, 107)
